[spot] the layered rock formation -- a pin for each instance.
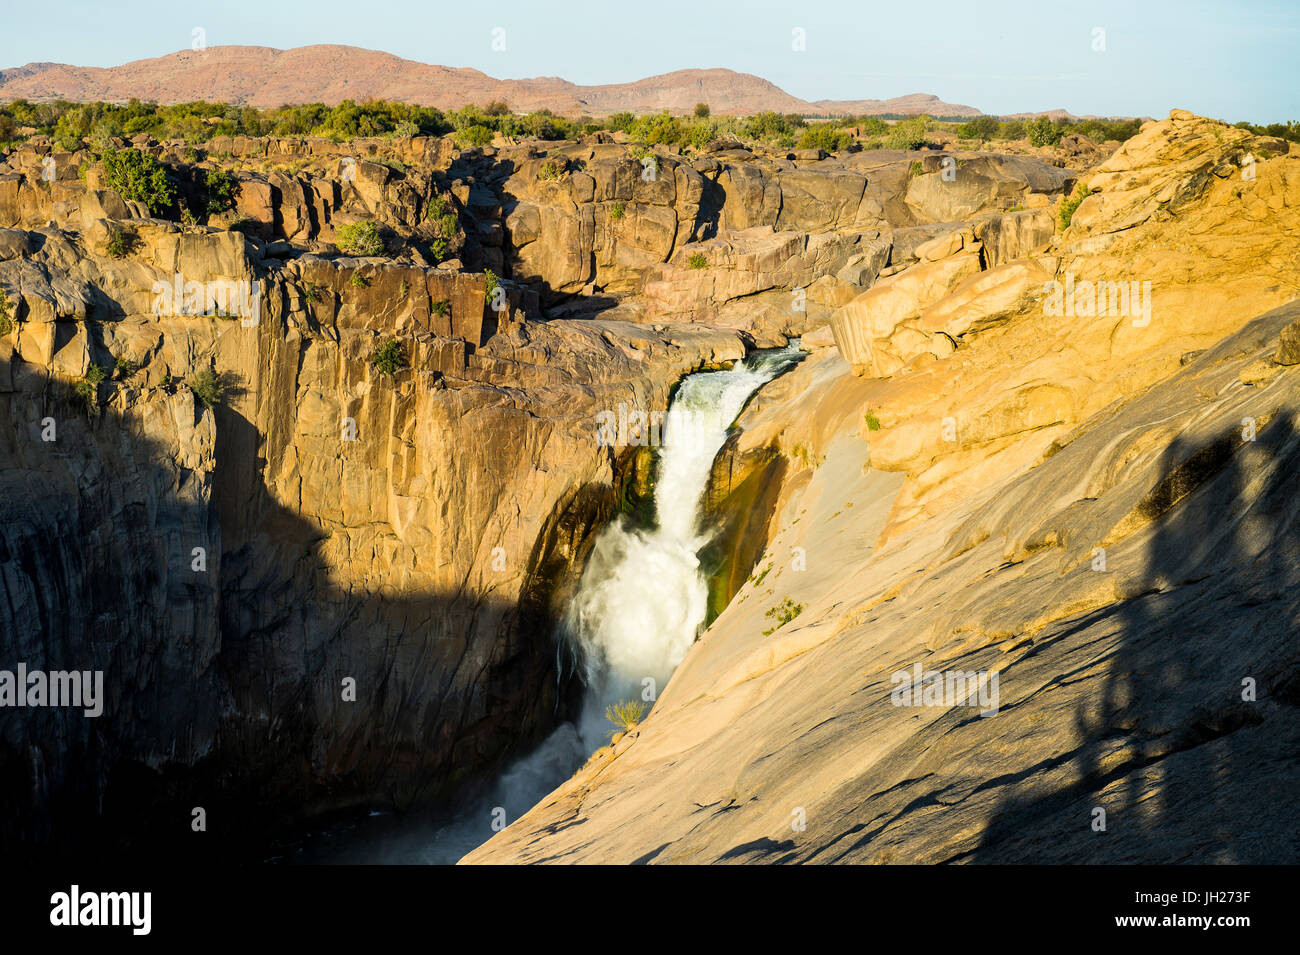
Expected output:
(409, 529)
(335, 586)
(1092, 505)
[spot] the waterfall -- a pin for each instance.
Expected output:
(641, 600)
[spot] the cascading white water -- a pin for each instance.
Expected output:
(642, 598)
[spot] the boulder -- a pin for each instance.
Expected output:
(902, 297)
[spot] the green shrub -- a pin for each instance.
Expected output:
(697, 261)
(1013, 129)
(873, 423)
(219, 190)
(404, 289)
(445, 225)
(361, 238)
(702, 132)
(1101, 130)
(474, 137)
(620, 122)
(206, 386)
(441, 307)
(553, 170)
(119, 244)
(438, 249)
(1043, 132)
(543, 124)
(907, 134)
(824, 136)
(490, 286)
(783, 613)
(657, 129)
(443, 216)
(1068, 206)
(139, 177)
(772, 127)
(616, 211)
(981, 127)
(358, 281)
(389, 357)
(625, 715)
(124, 367)
(1290, 130)
(702, 110)
(915, 169)
(87, 388)
(6, 322)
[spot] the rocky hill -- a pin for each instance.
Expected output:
(266, 77)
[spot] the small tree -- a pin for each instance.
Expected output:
(206, 386)
(119, 244)
(1043, 132)
(1068, 206)
(824, 136)
(981, 127)
(219, 187)
(553, 170)
(701, 110)
(625, 715)
(138, 176)
(389, 357)
(87, 388)
(361, 238)
(476, 136)
(907, 134)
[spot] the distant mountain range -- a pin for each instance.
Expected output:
(265, 77)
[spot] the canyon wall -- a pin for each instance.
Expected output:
(1090, 511)
(382, 549)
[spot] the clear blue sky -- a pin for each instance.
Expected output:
(1230, 60)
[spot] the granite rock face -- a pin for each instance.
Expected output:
(336, 584)
(1090, 512)
(334, 587)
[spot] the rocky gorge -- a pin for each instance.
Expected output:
(336, 586)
